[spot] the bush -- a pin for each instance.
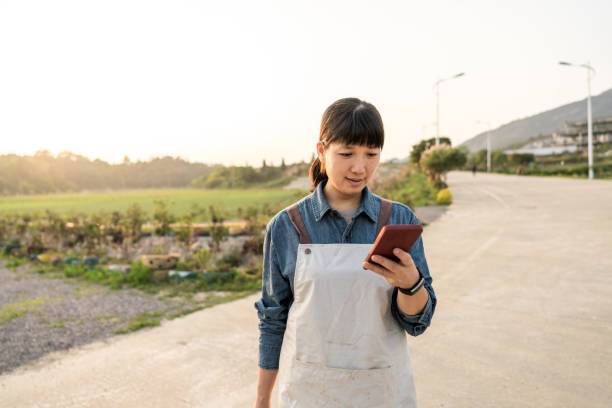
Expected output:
(438, 160)
(229, 261)
(162, 218)
(423, 145)
(410, 188)
(201, 259)
(231, 281)
(444, 197)
(138, 274)
(254, 245)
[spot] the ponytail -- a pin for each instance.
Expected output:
(316, 174)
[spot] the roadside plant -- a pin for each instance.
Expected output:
(439, 160)
(218, 231)
(202, 258)
(162, 217)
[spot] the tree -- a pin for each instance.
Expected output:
(134, 219)
(92, 228)
(185, 231)
(479, 159)
(499, 158)
(218, 231)
(54, 229)
(438, 160)
(419, 148)
(521, 159)
(162, 217)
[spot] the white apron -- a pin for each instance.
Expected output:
(342, 347)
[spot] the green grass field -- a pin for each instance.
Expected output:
(179, 200)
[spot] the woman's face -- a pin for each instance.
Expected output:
(349, 167)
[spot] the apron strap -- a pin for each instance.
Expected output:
(296, 219)
(294, 215)
(384, 214)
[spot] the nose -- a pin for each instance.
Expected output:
(358, 167)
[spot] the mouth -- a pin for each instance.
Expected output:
(354, 181)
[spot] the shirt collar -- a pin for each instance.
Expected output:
(320, 205)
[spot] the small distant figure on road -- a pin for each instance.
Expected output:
(474, 170)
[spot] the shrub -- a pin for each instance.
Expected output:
(230, 281)
(229, 261)
(218, 231)
(201, 259)
(423, 145)
(409, 187)
(162, 217)
(438, 160)
(444, 197)
(138, 274)
(254, 244)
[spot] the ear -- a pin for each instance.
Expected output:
(321, 152)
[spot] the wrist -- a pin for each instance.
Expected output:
(412, 290)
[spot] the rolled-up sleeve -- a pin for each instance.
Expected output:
(273, 306)
(416, 324)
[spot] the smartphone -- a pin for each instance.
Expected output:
(401, 236)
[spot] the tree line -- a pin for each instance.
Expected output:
(67, 172)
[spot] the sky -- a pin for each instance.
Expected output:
(237, 82)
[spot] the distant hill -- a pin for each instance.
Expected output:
(518, 132)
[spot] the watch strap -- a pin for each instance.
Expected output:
(411, 291)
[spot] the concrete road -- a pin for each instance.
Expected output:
(523, 272)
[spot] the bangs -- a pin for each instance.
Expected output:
(356, 124)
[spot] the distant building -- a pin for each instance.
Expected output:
(572, 138)
(544, 151)
(578, 132)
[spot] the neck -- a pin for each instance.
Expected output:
(340, 200)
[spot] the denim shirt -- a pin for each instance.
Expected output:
(325, 226)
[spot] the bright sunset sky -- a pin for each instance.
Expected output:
(236, 82)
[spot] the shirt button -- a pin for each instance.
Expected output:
(307, 251)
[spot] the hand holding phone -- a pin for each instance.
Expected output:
(401, 236)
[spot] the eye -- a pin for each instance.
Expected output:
(345, 154)
(372, 154)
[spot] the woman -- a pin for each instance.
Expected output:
(332, 327)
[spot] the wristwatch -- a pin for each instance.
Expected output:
(414, 289)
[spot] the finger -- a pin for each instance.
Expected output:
(378, 269)
(404, 257)
(386, 262)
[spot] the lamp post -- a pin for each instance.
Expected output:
(488, 125)
(437, 86)
(589, 69)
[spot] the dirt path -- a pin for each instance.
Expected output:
(523, 272)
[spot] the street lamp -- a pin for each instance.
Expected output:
(589, 114)
(437, 86)
(488, 125)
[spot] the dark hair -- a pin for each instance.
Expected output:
(350, 121)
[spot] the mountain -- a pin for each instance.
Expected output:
(518, 132)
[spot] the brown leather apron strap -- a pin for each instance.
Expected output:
(384, 214)
(296, 219)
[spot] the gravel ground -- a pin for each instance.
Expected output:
(59, 314)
